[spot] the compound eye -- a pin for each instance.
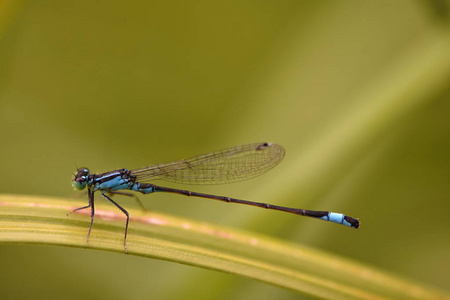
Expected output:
(82, 172)
(79, 182)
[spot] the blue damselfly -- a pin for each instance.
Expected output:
(226, 166)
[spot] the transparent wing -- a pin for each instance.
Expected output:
(225, 166)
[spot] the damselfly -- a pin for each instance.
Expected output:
(226, 166)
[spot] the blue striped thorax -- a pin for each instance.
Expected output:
(110, 181)
(114, 180)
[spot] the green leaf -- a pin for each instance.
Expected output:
(43, 220)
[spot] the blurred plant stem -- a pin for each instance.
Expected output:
(42, 220)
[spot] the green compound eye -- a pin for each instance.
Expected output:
(79, 182)
(79, 185)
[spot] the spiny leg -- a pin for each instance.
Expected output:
(126, 224)
(79, 208)
(91, 200)
(129, 195)
(83, 207)
(91, 205)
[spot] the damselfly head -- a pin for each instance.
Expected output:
(79, 182)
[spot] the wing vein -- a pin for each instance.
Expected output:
(225, 166)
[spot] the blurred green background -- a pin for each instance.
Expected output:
(356, 91)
